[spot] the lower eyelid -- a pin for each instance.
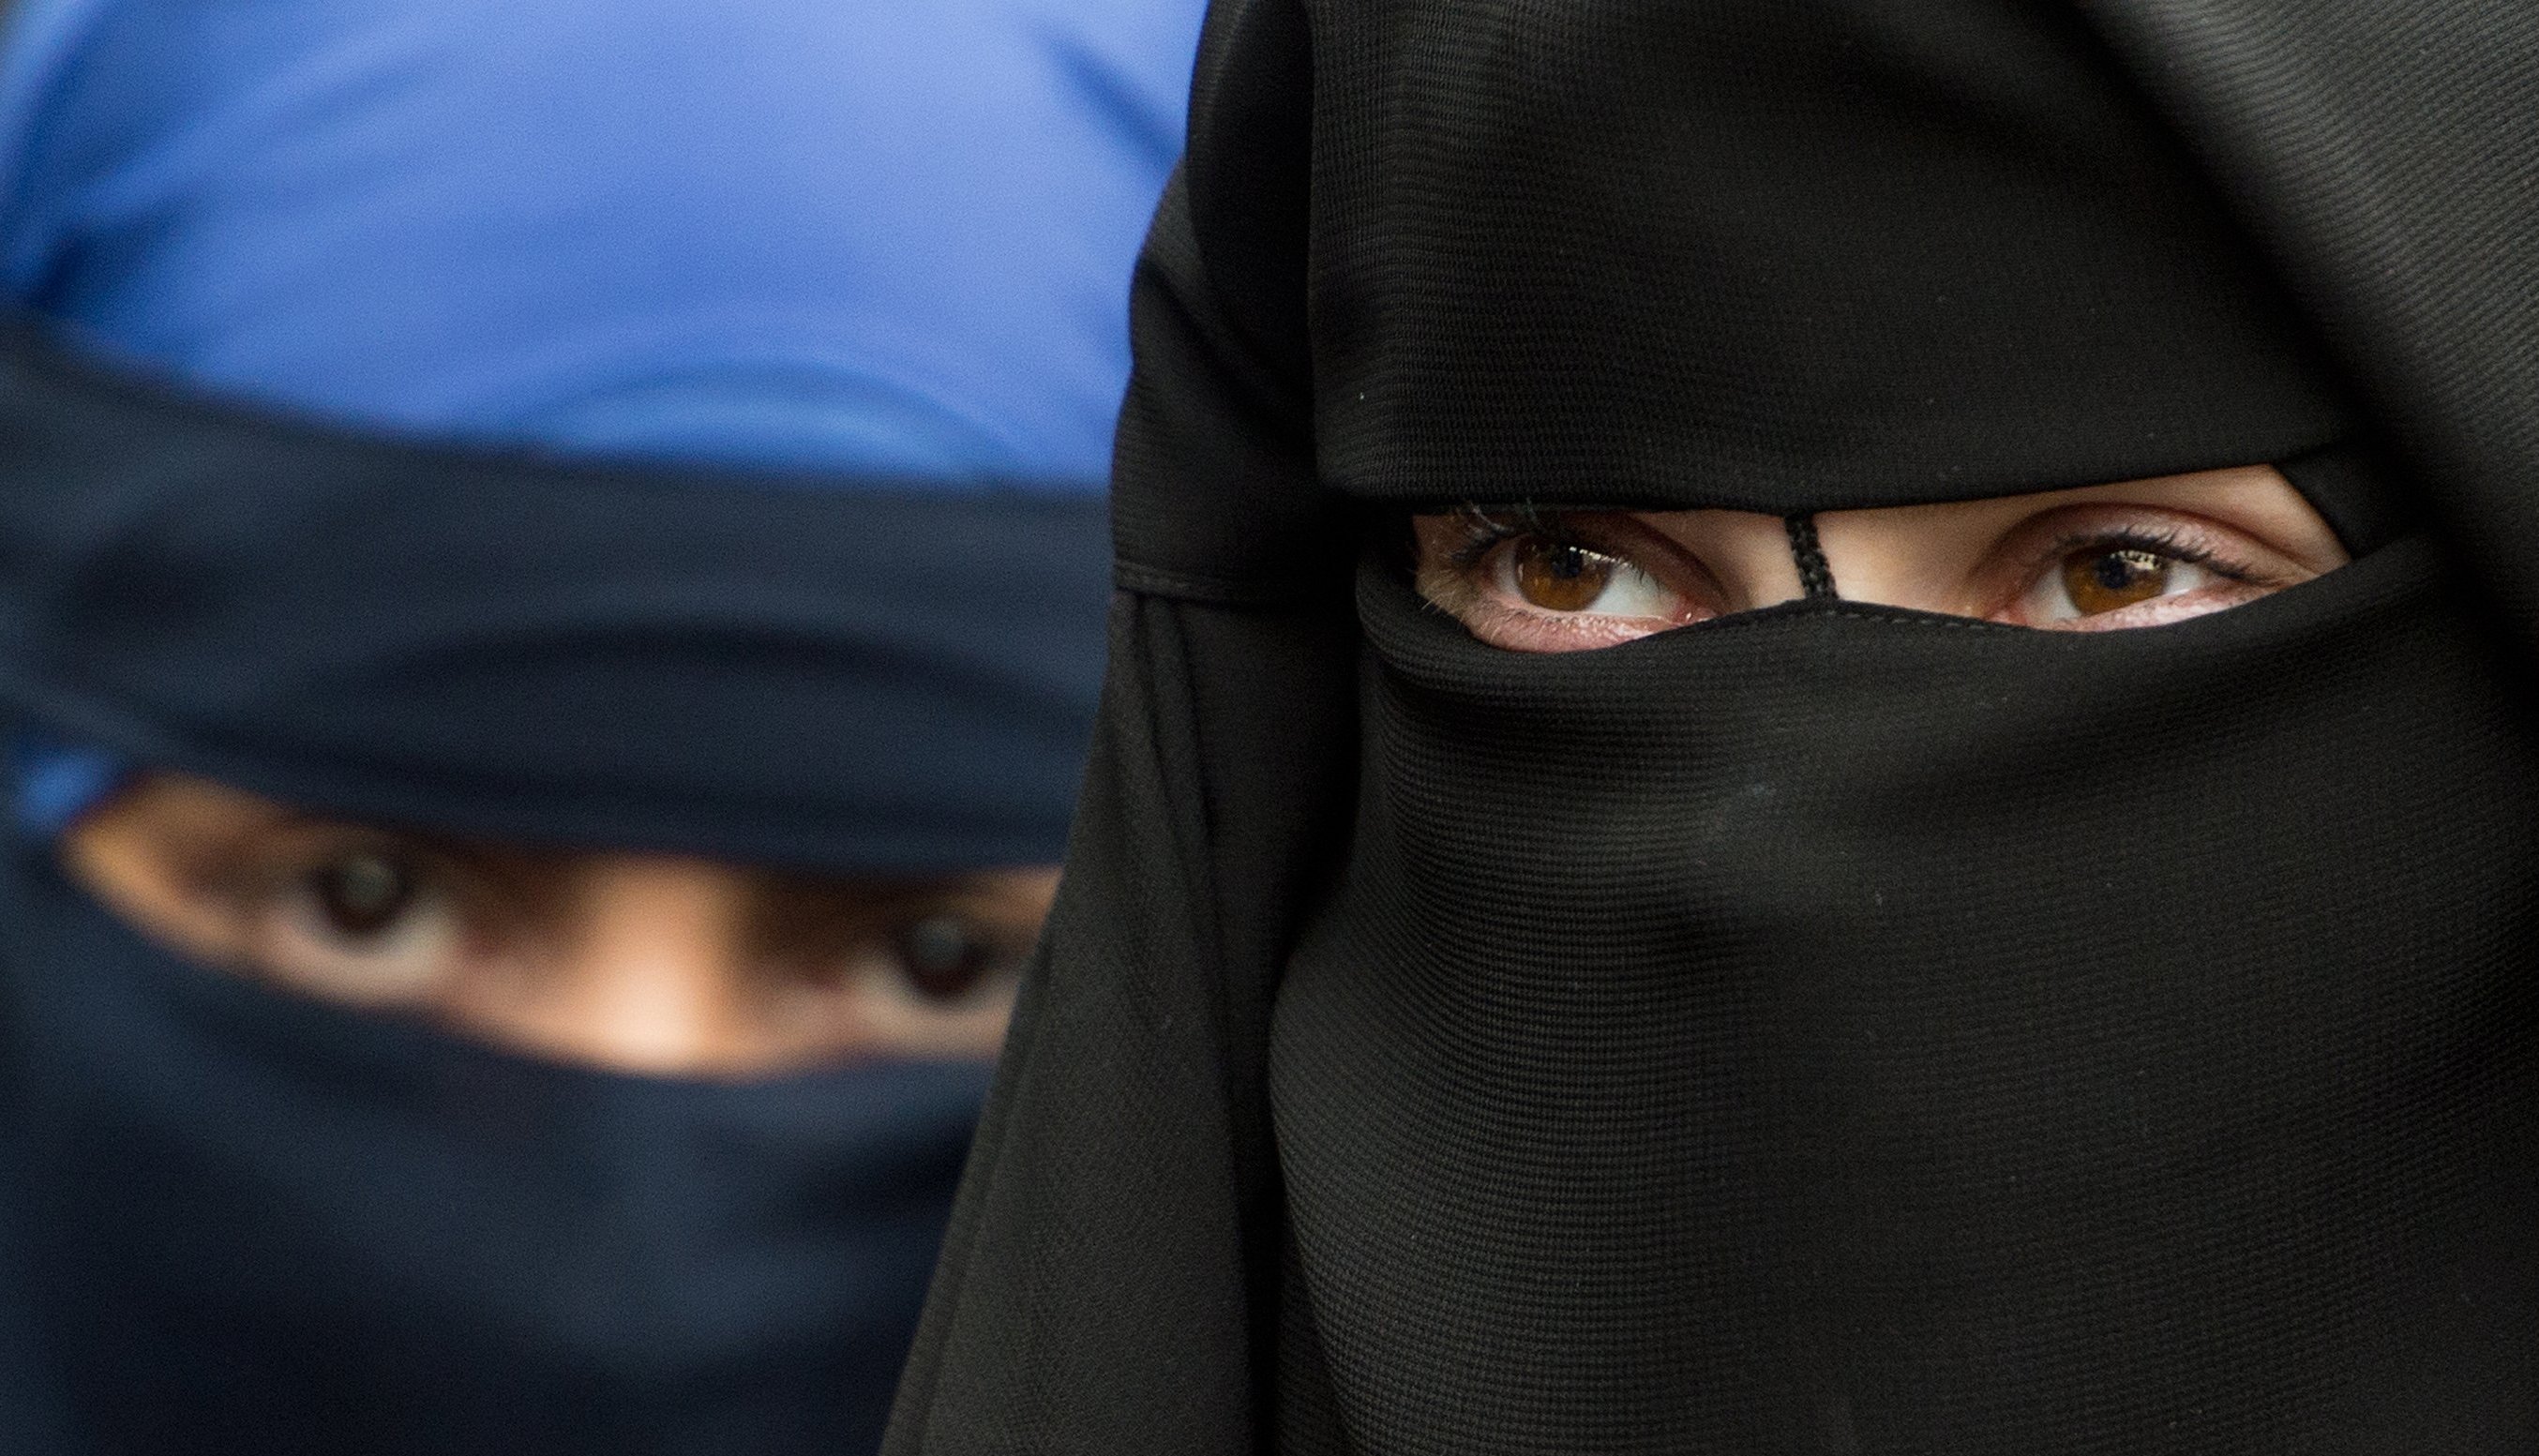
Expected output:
(2160, 611)
(1493, 621)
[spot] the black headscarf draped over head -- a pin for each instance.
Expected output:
(1834, 1028)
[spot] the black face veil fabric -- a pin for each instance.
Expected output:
(1837, 1028)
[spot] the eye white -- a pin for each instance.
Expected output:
(1633, 593)
(408, 955)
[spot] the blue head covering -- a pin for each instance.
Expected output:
(812, 235)
(855, 246)
(664, 423)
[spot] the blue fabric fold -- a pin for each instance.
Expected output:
(828, 236)
(848, 247)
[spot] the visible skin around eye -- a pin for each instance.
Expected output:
(2099, 558)
(642, 963)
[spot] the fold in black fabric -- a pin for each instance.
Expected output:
(510, 647)
(1835, 1030)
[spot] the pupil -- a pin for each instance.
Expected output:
(2103, 581)
(1561, 578)
(943, 957)
(2120, 570)
(364, 894)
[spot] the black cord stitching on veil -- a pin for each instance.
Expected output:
(1816, 576)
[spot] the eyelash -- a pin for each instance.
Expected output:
(1484, 534)
(1485, 530)
(2168, 543)
(252, 886)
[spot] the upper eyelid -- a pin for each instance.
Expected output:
(1488, 525)
(2178, 535)
(255, 875)
(2181, 534)
(321, 843)
(1615, 533)
(1484, 528)
(791, 924)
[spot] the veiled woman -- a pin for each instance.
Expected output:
(1817, 742)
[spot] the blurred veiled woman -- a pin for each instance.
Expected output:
(551, 583)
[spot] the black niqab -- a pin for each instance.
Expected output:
(1834, 1028)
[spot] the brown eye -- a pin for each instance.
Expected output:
(945, 958)
(1536, 583)
(1558, 577)
(362, 895)
(2105, 580)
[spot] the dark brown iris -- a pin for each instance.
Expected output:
(362, 894)
(1558, 577)
(945, 958)
(2101, 579)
